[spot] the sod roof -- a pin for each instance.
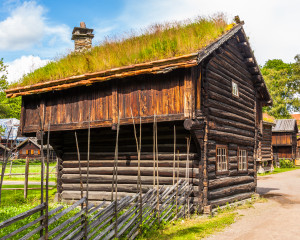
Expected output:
(160, 41)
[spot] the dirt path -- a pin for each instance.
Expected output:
(279, 218)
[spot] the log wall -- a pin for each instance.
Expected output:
(231, 121)
(102, 160)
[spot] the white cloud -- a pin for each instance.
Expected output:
(27, 26)
(23, 65)
(272, 25)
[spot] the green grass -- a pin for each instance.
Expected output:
(33, 168)
(156, 42)
(198, 227)
(13, 203)
(278, 170)
(194, 228)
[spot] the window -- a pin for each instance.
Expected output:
(27, 152)
(35, 152)
(235, 89)
(24, 151)
(222, 159)
(32, 152)
(242, 164)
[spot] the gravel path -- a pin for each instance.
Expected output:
(279, 218)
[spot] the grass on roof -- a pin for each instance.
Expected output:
(159, 41)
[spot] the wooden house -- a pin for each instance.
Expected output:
(265, 150)
(213, 96)
(32, 150)
(284, 138)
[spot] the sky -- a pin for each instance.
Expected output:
(32, 33)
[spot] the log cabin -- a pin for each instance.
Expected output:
(265, 149)
(284, 138)
(212, 97)
(31, 149)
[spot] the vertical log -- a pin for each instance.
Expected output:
(47, 182)
(174, 159)
(26, 177)
(41, 113)
(5, 159)
(116, 177)
(11, 162)
(87, 176)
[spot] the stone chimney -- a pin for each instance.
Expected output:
(82, 37)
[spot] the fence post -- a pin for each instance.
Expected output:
(26, 178)
(10, 168)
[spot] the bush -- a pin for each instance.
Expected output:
(285, 163)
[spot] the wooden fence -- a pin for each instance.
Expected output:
(117, 219)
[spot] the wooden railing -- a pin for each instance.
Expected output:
(118, 219)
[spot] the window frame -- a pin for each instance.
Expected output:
(238, 155)
(218, 172)
(237, 87)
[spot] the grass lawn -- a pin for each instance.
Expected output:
(194, 228)
(33, 168)
(278, 170)
(197, 227)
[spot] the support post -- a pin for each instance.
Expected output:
(26, 178)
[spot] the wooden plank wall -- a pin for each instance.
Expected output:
(282, 139)
(169, 96)
(231, 122)
(102, 158)
(285, 145)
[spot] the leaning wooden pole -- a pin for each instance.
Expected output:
(188, 174)
(5, 158)
(154, 155)
(139, 174)
(42, 171)
(26, 178)
(116, 177)
(157, 174)
(177, 184)
(87, 177)
(174, 159)
(79, 166)
(47, 182)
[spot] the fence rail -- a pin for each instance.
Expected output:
(116, 219)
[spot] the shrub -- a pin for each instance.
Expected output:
(285, 163)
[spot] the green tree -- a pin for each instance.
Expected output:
(283, 82)
(9, 107)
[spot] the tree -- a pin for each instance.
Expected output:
(283, 82)
(9, 107)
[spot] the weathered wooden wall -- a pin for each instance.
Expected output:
(284, 144)
(231, 121)
(102, 160)
(169, 96)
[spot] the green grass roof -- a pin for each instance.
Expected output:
(159, 41)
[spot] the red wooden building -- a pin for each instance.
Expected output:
(213, 96)
(32, 150)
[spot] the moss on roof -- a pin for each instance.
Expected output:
(159, 41)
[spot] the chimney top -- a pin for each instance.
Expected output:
(82, 37)
(82, 25)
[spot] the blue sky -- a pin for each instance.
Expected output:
(33, 32)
